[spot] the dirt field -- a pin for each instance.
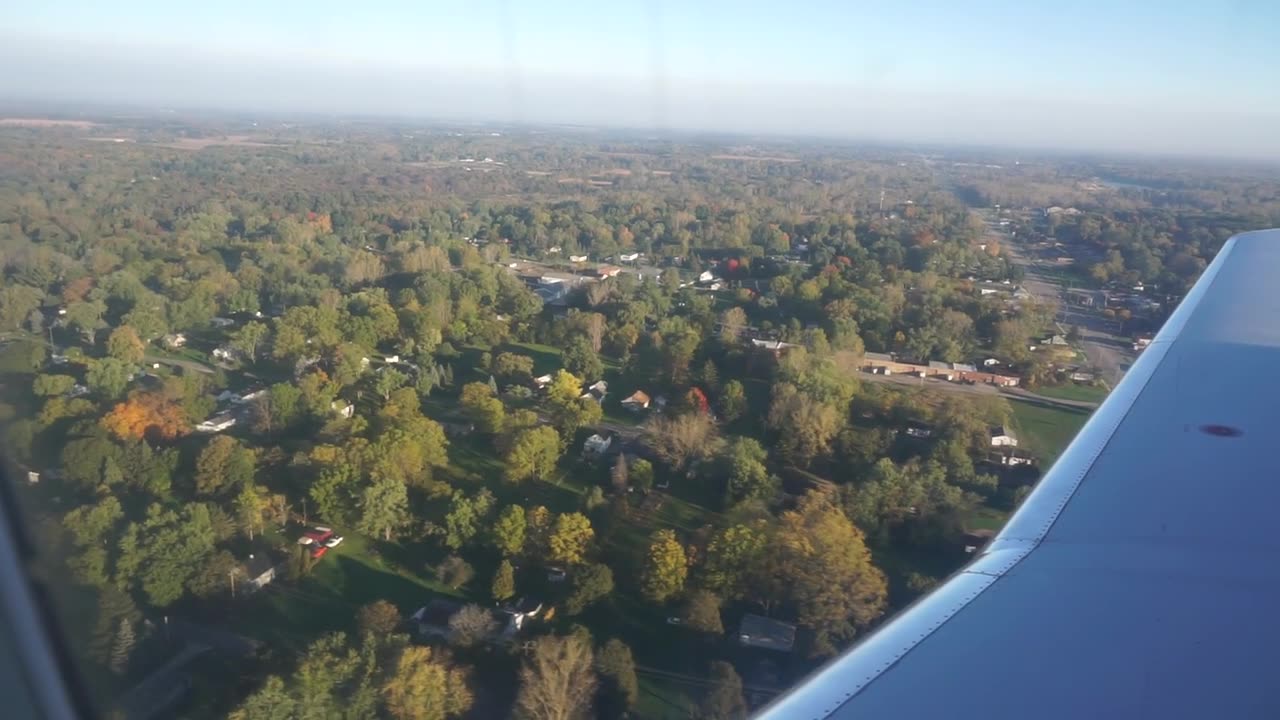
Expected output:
(45, 122)
(202, 143)
(762, 158)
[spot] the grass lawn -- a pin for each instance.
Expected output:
(985, 517)
(1072, 391)
(1046, 431)
(351, 575)
(546, 359)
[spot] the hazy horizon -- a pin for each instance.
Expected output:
(1193, 82)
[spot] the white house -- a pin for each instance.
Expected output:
(217, 423)
(578, 258)
(706, 276)
(629, 257)
(542, 381)
(175, 340)
(222, 322)
(225, 352)
(249, 396)
(259, 570)
(345, 409)
(990, 362)
(596, 445)
(1001, 437)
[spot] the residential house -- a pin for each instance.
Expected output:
(222, 322)
(629, 257)
(607, 271)
(596, 445)
(1002, 437)
(432, 619)
(706, 276)
(990, 362)
(225, 353)
(1011, 458)
(343, 408)
(217, 423)
(260, 569)
(1054, 340)
(597, 391)
(763, 632)
(578, 258)
(637, 401)
(174, 340)
(777, 346)
(77, 390)
(542, 381)
(249, 395)
(975, 540)
(918, 430)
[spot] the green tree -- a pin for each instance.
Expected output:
(731, 556)
(465, 516)
(388, 380)
(249, 338)
(702, 612)
(165, 551)
(124, 345)
(271, 702)
(641, 473)
(223, 465)
(379, 618)
(733, 401)
(571, 538)
(424, 684)
(384, 506)
(249, 504)
(86, 317)
(504, 581)
(278, 409)
(682, 439)
(805, 426)
(52, 385)
(824, 569)
(590, 583)
(455, 572)
(122, 648)
(108, 377)
(724, 701)
(509, 531)
(533, 454)
(748, 477)
(513, 368)
(581, 360)
(665, 567)
(557, 680)
(569, 411)
(485, 410)
(472, 625)
(619, 686)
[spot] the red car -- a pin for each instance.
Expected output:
(316, 536)
(319, 551)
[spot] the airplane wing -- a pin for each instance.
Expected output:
(1141, 578)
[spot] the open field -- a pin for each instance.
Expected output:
(1046, 431)
(1071, 391)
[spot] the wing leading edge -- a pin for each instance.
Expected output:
(1140, 578)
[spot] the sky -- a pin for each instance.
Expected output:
(1175, 77)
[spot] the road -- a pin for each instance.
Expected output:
(1104, 348)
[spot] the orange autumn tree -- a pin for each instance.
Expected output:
(146, 414)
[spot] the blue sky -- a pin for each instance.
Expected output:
(1152, 76)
